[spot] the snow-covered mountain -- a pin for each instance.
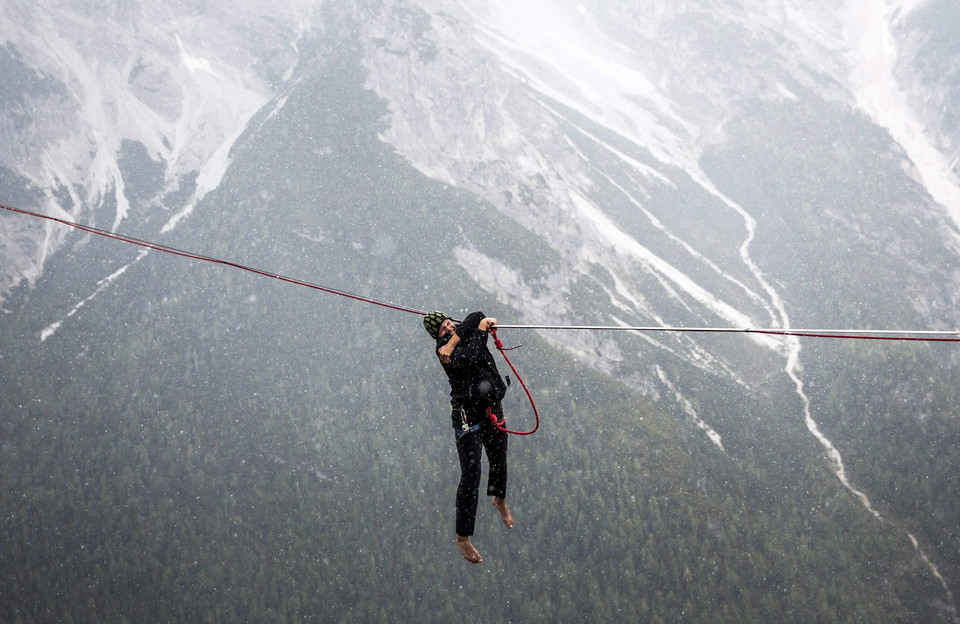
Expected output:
(129, 110)
(706, 163)
(574, 120)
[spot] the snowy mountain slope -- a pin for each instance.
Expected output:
(119, 110)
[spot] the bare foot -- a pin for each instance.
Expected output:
(467, 550)
(501, 505)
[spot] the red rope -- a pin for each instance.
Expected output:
(195, 256)
(850, 336)
(500, 422)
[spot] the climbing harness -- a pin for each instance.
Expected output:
(466, 428)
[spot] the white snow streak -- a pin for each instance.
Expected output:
(792, 370)
(101, 285)
(191, 62)
(688, 408)
(689, 248)
(936, 573)
(610, 234)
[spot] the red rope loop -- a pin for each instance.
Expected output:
(500, 422)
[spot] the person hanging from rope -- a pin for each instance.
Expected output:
(475, 387)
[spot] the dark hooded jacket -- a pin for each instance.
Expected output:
(475, 381)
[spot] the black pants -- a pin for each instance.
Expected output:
(469, 445)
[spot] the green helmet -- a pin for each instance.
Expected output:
(432, 323)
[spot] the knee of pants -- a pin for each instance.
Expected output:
(470, 476)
